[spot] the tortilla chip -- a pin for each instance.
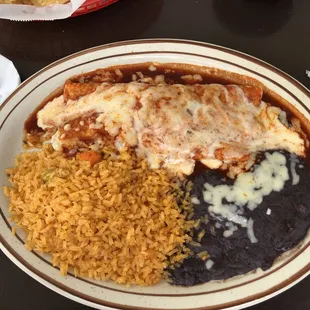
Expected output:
(34, 2)
(11, 2)
(47, 2)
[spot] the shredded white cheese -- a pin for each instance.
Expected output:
(96, 125)
(118, 72)
(152, 68)
(140, 75)
(209, 264)
(195, 201)
(250, 230)
(295, 176)
(248, 190)
(67, 127)
(231, 228)
(218, 225)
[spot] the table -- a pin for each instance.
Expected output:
(277, 31)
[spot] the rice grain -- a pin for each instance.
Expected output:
(117, 220)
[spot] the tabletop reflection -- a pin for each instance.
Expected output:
(253, 17)
(49, 41)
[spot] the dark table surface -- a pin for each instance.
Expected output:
(277, 31)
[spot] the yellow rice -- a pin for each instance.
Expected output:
(117, 220)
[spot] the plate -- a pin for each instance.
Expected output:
(235, 293)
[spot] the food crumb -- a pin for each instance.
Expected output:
(152, 68)
(90, 156)
(140, 75)
(195, 201)
(118, 72)
(67, 127)
(190, 79)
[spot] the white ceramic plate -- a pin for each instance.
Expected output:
(235, 293)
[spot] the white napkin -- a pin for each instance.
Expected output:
(21, 12)
(9, 78)
(308, 73)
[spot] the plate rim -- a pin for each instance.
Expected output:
(246, 301)
(257, 60)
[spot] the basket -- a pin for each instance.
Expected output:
(91, 6)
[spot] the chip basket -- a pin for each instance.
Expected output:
(92, 5)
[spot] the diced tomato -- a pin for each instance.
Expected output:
(90, 156)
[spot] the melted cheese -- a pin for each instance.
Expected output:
(228, 201)
(250, 231)
(174, 125)
(230, 229)
(295, 176)
(195, 201)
